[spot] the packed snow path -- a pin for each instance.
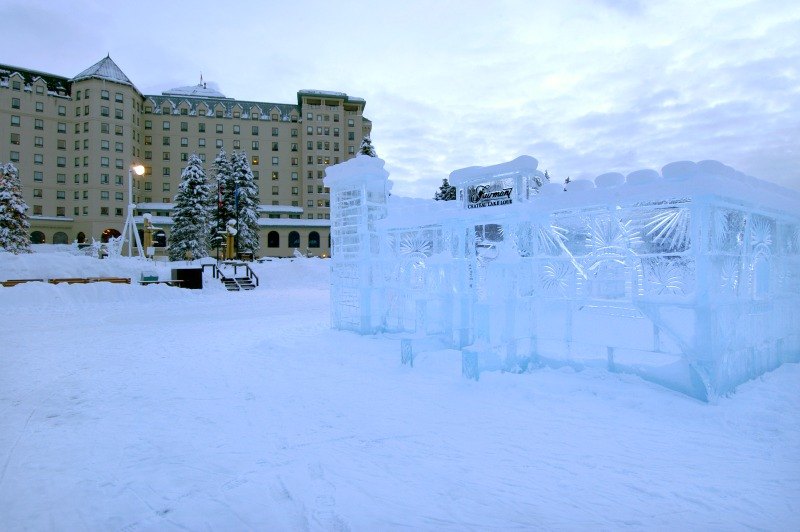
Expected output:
(139, 408)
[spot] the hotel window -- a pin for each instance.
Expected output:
(118, 113)
(118, 130)
(294, 176)
(184, 126)
(218, 113)
(148, 140)
(351, 122)
(61, 162)
(165, 110)
(219, 143)
(294, 132)
(38, 158)
(165, 171)
(309, 116)
(203, 157)
(275, 176)
(274, 160)
(86, 110)
(165, 141)
(184, 111)
(274, 131)
(254, 160)
(86, 127)
(77, 111)
(237, 114)
(86, 94)
(165, 125)
(61, 127)
(76, 211)
(37, 192)
(320, 174)
(295, 191)
(37, 210)
(15, 103)
(310, 203)
(185, 141)
(310, 159)
(254, 130)
(165, 187)
(85, 180)
(274, 146)
(15, 138)
(85, 209)
(165, 156)
(255, 174)
(39, 89)
(38, 142)
(236, 129)
(117, 179)
(104, 95)
(295, 161)
(118, 97)
(103, 179)
(61, 178)
(219, 128)
(103, 211)
(118, 196)
(118, 146)
(184, 156)
(148, 155)
(38, 123)
(104, 145)
(148, 109)
(310, 189)
(351, 149)
(104, 194)
(103, 127)
(274, 191)
(14, 156)
(76, 195)
(275, 117)
(118, 211)
(335, 118)
(254, 145)
(201, 143)
(294, 146)
(236, 144)
(39, 107)
(62, 111)
(319, 144)
(105, 162)
(148, 185)
(309, 130)
(148, 124)
(201, 127)
(103, 111)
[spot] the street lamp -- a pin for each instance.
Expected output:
(130, 225)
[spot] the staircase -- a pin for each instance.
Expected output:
(235, 284)
(232, 280)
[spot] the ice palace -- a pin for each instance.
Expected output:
(689, 278)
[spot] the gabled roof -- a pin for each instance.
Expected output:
(194, 91)
(105, 69)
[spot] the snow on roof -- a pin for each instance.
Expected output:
(332, 94)
(106, 69)
(200, 90)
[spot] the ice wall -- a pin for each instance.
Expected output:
(689, 277)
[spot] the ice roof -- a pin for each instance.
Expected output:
(106, 69)
(194, 91)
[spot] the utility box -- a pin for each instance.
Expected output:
(188, 277)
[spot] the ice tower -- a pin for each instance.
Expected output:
(689, 277)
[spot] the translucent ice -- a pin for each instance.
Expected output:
(689, 277)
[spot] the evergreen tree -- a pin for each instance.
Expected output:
(246, 204)
(566, 182)
(14, 225)
(546, 176)
(446, 192)
(221, 198)
(190, 220)
(366, 147)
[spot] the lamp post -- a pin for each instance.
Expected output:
(236, 208)
(130, 224)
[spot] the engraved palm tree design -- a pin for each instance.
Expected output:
(665, 277)
(670, 227)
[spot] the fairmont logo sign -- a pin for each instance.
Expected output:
(488, 196)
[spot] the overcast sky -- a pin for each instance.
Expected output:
(586, 87)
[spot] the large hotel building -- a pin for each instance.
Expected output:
(75, 139)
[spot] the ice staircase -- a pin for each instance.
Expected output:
(228, 274)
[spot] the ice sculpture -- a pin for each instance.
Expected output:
(689, 278)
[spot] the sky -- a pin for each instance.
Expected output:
(586, 87)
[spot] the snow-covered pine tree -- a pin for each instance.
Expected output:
(221, 198)
(189, 237)
(247, 238)
(446, 192)
(566, 183)
(366, 147)
(546, 176)
(14, 225)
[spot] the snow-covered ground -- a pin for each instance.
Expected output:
(140, 408)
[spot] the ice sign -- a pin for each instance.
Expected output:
(688, 277)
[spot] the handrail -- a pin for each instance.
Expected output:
(214, 270)
(251, 273)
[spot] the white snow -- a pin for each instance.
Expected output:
(157, 408)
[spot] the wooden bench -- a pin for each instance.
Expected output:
(15, 282)
(87, 280)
